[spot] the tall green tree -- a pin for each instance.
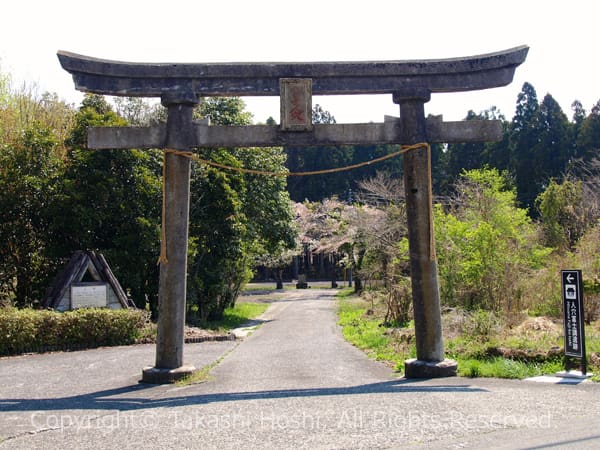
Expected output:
(32, 128)
(321, 186)
(524, 136)
(234, 216)
(579, 115)
(588, 138)
(541, 145)
(217, 266)
(267, 204)
(29, 171)
(224, 111)
(109, 201)
(562, 214)
(554, 148)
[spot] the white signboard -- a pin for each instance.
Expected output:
(89, 295)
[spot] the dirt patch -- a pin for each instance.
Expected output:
(542, 324)
(525, 354)
(195, 334)
(453, 322)
(258, 296)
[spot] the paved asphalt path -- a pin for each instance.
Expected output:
(293, 383)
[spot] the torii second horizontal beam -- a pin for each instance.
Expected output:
(389, 132)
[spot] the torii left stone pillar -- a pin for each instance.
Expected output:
(169, 365)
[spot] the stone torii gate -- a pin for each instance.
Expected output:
(180, 87)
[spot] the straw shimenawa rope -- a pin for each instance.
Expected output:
(196, 158)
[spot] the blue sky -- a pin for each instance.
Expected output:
(562, 59)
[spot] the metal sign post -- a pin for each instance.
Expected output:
(572, 293)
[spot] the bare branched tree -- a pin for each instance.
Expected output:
(589, 174)
(380, 190)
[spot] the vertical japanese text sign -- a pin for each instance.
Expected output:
(572, 293)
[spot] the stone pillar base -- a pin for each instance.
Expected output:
(154, 375)
(414, 368)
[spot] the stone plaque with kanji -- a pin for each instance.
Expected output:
(296, 104)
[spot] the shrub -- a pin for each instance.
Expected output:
(483, 325)
(485, 243)
(18, 330)
(35, 330)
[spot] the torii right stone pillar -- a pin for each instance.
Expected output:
(430, 360)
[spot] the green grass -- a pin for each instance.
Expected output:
(472, 351)
(202, 375)
(366, 333)
(261, 287)
(345, 292)
(240, 314)
(506, 368)
(234, 317)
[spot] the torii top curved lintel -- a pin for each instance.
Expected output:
(262, 79)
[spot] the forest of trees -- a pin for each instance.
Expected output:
(508, 214)
(530, 196)
(57, 197)
(540, 143)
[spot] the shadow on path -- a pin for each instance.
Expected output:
(104, 399)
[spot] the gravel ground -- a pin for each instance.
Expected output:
(292, 383)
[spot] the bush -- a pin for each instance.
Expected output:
(482, 325)
(485, 244)
(26, 330)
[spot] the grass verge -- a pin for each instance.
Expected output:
(202, 375)
(234, 317)
(481, 343)
(240, 314)
(498, 367)
(365, 332)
